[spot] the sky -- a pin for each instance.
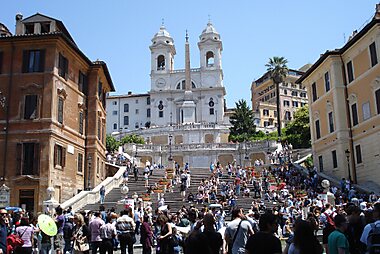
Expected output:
(119, 32)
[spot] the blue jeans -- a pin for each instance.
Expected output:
(68, 246)
(45, 248)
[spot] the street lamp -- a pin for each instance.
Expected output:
(89, 162)
(347, 152)
(3, 100)
(120, 133)
(160, 157)
(267, 133)
(170, 147)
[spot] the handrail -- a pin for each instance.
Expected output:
(91, 197)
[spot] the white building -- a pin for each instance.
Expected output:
(127, 112)
(170, 100)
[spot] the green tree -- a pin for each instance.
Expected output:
(136, 139)
(297, 132)
(278, 69)
(242, 122)
(111, 143)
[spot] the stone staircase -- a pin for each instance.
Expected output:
(173, 199)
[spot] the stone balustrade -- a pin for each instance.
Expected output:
(256, 145)
(91, 197)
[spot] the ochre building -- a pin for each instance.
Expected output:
(344, 101)
(52, 113)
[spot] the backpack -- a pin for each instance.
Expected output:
(330, 220)
(15, 240)
(373, 239)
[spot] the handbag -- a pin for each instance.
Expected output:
(81, 244)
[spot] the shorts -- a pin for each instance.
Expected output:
(59, 242)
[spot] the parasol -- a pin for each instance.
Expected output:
(47, 225)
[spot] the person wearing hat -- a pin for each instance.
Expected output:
(3, 231)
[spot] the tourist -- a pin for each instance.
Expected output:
(135, 172)
(107, 233)
(304, 241)
(68, 233)
(58, 239)
(368, 235)
(125, 227)
(337, 241)
(146, 236)
(237, 232)
(102, 193)
(80, 235)
(45, 247)
(3, 230)
(264, 241)
(165, 235)
(25, 232)
(213, 237)
(94, 227)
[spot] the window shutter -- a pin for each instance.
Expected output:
(18, 158)
(55, 155)
(25, 61)
(36, 159)
(41, 68)
(1, 62)
(63, 157)
(66, 68)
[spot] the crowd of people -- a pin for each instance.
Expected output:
(289, 213)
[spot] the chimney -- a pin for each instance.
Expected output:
(377, 15)
(19, 24)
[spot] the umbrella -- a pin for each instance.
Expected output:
(13, 208)
(47, 225)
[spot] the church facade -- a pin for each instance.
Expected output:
(190, 96)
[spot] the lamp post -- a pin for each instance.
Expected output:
(3, 104)
(89, 162)
(120, 133)
(160, 157)
(347, 152)
(267, 133)
(170, 147)
(3, 100)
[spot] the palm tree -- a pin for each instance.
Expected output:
(242, 122)
(278, 70)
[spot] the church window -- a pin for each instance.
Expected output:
(212, 111)
(160, 63)
(181, 85)
(160, 109)
(210, 59)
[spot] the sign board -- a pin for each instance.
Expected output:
(130, 203)
(4, 196)
(70, 149)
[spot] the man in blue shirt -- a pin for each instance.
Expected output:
(3, 231)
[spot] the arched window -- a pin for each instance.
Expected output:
(160, 109)
(181, 85)
(160, 62)
(210, 59)
(115, 126)
(211, 105)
